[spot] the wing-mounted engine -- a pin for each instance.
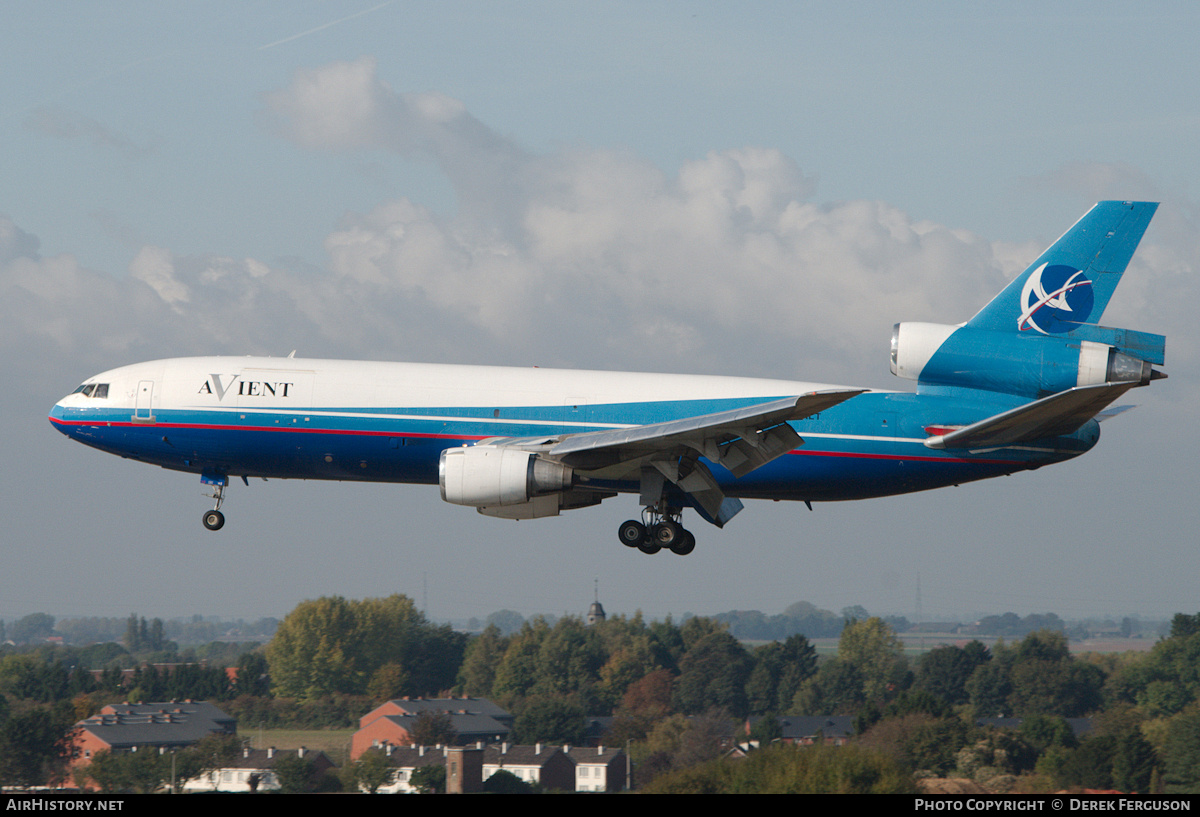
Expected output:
(510, 482)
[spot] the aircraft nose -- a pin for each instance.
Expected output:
(58, 418)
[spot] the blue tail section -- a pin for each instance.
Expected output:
(1071, 283)
(1040, 335)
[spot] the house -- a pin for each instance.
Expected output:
(551, 767)
(164, 726)
(599, 768)
(1080, 727)
(406, 760)
(253, 770)
(540, 764)
(391, 724)
(805, 730)
(415, 706)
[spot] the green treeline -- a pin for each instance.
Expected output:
(675, 690)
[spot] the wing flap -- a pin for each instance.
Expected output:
(1052, 416)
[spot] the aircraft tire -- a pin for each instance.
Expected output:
(631, 533)
(667, 534)
(685, 545)
(214, 520)
(649, 546)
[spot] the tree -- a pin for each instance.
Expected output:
(944, 671)
(550, 720)
(875, 652)
(252, 675)
(33, 627)
(506, 622)
(766, 730)
(142, 771)
(211, 752)
(429, 779)
(569, 660)
(713, 673)
(477, 675)
(518, 669)
(919, 741)
(792, 770)
(36, 746)
(1181, 772)
(372, 770)
(1183, 625)
(836, 689)
(645, 703)
(332, 645)
(296, 775)
(389, 682)
(433, 729)
(505, 782)
(779, 671)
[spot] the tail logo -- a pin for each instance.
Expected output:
(1056, 298)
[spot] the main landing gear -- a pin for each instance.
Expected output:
(214, 519)
(658, 531)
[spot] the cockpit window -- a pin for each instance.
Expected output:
(99, 390)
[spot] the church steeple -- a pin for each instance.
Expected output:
(596, 611)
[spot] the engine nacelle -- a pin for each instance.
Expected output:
(913, 344)
(1018, 363)
(486, 476)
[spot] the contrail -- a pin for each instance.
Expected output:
(322, 28)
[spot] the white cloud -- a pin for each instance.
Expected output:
(153, 266)
(582, 257)
(603, 247)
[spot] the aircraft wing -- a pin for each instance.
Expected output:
(1051, 416)
(740, 439)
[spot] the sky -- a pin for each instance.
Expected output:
(717, 188)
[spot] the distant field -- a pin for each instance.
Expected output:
(915, 645)
(333, 742)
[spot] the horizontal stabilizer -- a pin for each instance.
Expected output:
(1142, 345)
(1052, 416)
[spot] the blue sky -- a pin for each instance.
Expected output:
(761, 189)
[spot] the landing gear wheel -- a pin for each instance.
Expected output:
(667, 534)
(631, 533)
(685, 545)
(214, 520)
(649, 546)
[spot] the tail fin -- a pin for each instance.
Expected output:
(1070, 284)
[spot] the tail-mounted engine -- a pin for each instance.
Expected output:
(1027, 364)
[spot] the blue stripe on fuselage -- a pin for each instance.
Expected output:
(867, 446)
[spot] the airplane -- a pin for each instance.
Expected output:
(1020, 385)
